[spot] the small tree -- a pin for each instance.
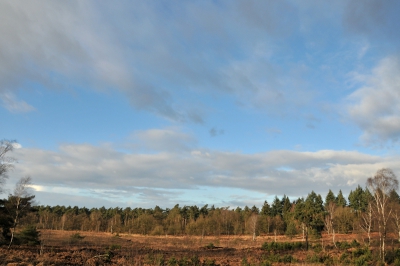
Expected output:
(380, 186)
(310, 212)
(19, 203)
(252, 222)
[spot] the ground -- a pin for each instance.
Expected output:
(92, 248)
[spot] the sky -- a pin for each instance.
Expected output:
(226, 103)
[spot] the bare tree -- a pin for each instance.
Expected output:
(6, 163)
(19, 203)
(380, 187)
(329, 220)
(253, 225)
(366, 221)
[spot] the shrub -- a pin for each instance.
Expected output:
(354, 244)
(28, 236)
(392, 256)
(343, 245)
(245, 262)
(210, 246)
(317, 248)
(275, 246)
(209, 262)
(76, 237)
(172, 261)
(314, 258)
(195, 261)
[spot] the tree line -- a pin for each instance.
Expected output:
(374, 208)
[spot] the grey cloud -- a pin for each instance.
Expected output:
(374, 19)
(149, 54)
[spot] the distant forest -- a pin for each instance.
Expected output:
(281, 216)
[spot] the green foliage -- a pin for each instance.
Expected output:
(317, 247)
(282, 246)
(330, 197)
(172, 261)
(210, 246)
(314, 258)
(244, 262)
(343, 245)
(276, 258)
(340, 200)
(354, 244)
(291, 230)
(28, 236)
(74, 238)
(209, 262)
(114, 247)
(154, 259)
(345, 258)
(392, 256)
(359, 198)
(195, 261)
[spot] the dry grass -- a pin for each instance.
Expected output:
(58, 248)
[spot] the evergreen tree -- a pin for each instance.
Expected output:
(330, 197)
(276, 208)
(340, 200)
(394, 197)
(286, 205)
(311, 213)
(266, 209)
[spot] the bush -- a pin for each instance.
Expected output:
(275, 246)
(245, 262)
(317, 248)
(209, 262)
(210, 246)
(172, 261)
(354, 244)
(195, 261)
(76, 237)
(392, 256)
(312, 258)
(362, 256)
(343, 245)
(28, 236)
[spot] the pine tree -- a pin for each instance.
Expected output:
(330, 197)
(276, 208)
(311, 213)
(266, 209)
(340, 200)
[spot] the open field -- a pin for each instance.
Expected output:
(89, 248)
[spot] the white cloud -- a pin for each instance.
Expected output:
(374, 107)
(115, 174)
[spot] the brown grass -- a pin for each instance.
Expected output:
(58, 248)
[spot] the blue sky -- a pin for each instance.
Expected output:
(144, 103)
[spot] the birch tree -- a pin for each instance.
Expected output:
(380, 186)
(19, 203)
